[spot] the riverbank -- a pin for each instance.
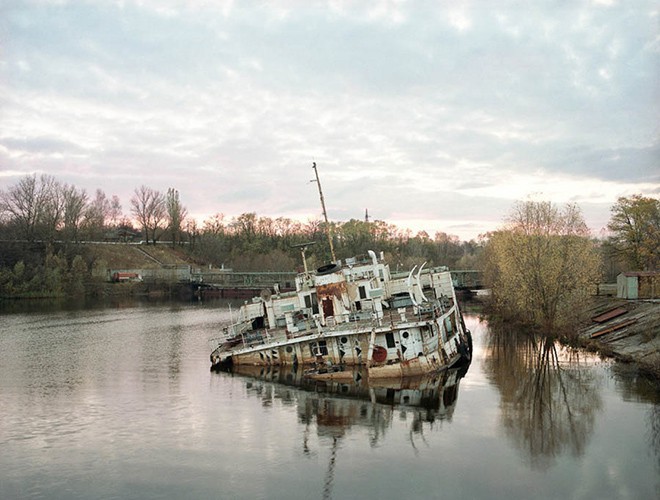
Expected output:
(39, 270)
(627, 330)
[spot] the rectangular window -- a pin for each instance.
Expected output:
(319, 348)
(312, 303)
(363, 292)
(389, 338)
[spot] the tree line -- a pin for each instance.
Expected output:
(251, 242)
(537, 237)
(42, 209)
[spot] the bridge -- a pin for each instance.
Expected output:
(247, 284)
(467, 279)
(226, 283)
(241, 284)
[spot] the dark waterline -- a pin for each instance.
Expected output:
(119, 402)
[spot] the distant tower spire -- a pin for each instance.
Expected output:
(366, 215)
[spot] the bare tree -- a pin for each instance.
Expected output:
(19, 205)
(115, 210)
(96, 215)
(148, 207)
(33, 206)
(51, 216)
(215, 225)
(176, 214)
(75, 202)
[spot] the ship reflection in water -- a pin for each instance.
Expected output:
(336, 405)
(333, 407)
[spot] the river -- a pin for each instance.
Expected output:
(119, 402)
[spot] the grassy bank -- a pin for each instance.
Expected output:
(52, 270)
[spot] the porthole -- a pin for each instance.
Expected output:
(344, 340)
(289, 349)
(405, 335)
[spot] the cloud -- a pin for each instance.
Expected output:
(422, 113)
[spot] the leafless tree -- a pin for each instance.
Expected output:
(33, 207)
(176, 214)
(148, 207)
(115, 213)
(97, 214)
(75, 203)
(52, 207)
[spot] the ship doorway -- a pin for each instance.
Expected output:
(328, 308)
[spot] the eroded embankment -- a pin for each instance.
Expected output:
(626, 330)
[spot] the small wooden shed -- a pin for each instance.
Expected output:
(637, 285)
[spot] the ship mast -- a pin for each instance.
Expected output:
(325, 214)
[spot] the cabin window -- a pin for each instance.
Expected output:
(344, 340)
(312, 303)
(389, 339)
(363, 292)
(319, 348)
(289, 349)
(405, 335)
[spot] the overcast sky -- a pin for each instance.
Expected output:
(434, 116)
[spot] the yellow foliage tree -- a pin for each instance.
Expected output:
(541, 266)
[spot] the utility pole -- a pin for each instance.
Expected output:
(325, 214)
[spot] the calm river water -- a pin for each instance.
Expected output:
(119, 402)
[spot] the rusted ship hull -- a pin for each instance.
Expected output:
(356, 316)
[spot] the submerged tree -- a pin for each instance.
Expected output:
(541, 266)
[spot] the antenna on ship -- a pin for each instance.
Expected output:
(303, 249)
(325, 214)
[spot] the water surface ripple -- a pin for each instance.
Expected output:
(120, 403)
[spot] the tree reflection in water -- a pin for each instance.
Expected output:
(549, 399)
(634, 387)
